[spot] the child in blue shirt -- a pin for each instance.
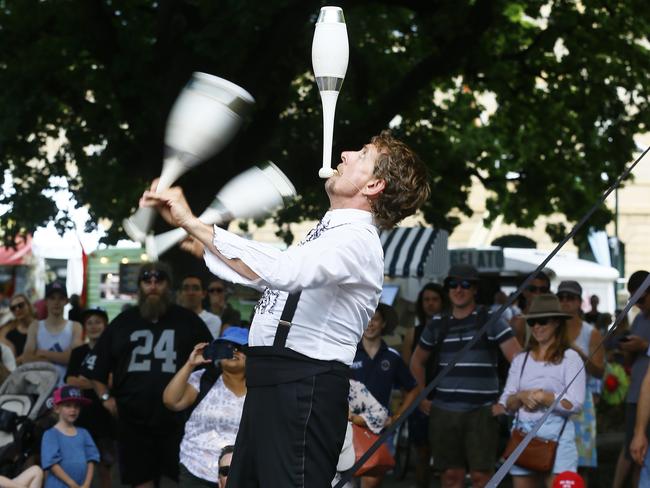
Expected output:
(68, 452)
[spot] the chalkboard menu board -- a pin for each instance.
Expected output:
(129, 278)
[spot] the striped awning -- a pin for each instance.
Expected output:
(415, 252)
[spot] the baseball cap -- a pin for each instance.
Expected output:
(236, 335)
(56, 287)
(569, 286)
(68, 393)
(568, 479)
(94, 311)
(464, 272)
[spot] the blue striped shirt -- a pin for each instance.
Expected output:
(473, 382)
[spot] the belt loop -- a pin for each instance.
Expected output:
(282, 332)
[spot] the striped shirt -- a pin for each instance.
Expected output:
(473, 382)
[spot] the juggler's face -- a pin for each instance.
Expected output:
(355, 170)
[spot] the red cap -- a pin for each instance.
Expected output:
(68, 393)
(568, 479)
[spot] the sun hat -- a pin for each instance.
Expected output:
(545, 305)
(568, 479)
(68, 393)
(571, 287)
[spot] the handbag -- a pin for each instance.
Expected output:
(381, 460)
(539, 454)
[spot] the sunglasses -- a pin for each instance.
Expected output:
(17, 306)
(540, 321)
(224, 470)
(216, 290)
(148, 276)
(464, 284)
(538, 289)
(566, 297)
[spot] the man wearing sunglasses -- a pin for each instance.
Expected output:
(142, 349)
(464, 432)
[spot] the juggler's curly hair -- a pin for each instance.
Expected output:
(407, 181)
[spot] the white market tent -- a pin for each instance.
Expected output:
(594, 278)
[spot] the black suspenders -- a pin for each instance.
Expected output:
(284, 324)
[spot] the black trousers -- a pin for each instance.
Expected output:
(291, 434)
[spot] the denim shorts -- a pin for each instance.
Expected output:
(566, 458)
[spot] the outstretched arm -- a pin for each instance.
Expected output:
(173, 207)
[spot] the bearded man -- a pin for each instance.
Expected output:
(143, 348)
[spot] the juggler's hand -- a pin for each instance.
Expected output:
(170, 203)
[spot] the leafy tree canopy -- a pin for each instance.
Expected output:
(537, 98)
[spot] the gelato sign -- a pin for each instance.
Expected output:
(485, 260)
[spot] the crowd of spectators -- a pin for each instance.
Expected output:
(155, 399)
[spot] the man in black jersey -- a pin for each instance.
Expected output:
(143, 348)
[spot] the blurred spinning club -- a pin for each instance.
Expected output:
(329, 56)
(205, 117)
(255, 193)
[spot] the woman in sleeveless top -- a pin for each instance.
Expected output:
(14, 334)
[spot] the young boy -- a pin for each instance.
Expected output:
(68, 452)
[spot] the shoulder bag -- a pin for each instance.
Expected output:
(380, 462)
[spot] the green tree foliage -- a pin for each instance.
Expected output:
(569, 81)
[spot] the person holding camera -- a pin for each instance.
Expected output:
(216, 394)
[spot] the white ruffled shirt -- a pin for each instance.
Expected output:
(212, 426)
(339, 267)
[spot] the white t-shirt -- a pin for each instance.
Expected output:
(212, 426)
(212, 321)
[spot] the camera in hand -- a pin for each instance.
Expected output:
(218, 350)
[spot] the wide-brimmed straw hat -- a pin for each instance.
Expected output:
(546, 305)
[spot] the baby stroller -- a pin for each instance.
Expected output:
(24, 414)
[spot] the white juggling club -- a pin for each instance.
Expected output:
(205, 117)
(329, 57)
(254, 193)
